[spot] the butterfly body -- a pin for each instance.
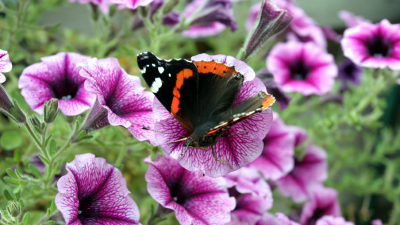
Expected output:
(201, 96)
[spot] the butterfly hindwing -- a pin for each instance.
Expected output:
(166, 78)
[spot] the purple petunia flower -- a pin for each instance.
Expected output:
(208, 18)
(330, 220)
(196, 199)
(94, 192)
(58, 77)
(5, 65)
(376, 222)
(274, 88)
(171, 19)
(277, 158)
(237, 150)
(323, 203)
(103, 4)
(349, 72)
(307, 173)
(351, 20)
(131, 4)
(373, 45)
(301, 67)
(280, 219)
(121, 99)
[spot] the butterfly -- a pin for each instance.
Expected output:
(200, 95)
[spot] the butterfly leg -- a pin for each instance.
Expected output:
(234, 134)
(219, 160)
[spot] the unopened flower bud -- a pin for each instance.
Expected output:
(10, 107)
(50, 110)
(14, 208)
(270, 20)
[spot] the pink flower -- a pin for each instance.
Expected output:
(131, 4)
(303, 68)
(219, 15)
(277, 158)
(376, 222)
(373, 45)
(57, 76)
(94, 192)
(121, 99)
(323, 203)
(196, 199)
(330, 220)
(307, 173)
(5, 65)
(280, 219)
(237, 150)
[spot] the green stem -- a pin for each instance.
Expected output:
(43, 150)
(121, 155)
(44, 135)
(62, 150)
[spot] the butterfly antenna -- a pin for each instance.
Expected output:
(144, 128)
(184, 151)
(179, 140)
(219, 160)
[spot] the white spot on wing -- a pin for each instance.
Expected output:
(154, 65)
(155, 86)
(161, 69)
(143, 70)
(169, 75)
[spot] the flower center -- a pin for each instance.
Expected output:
(65, 88)
(299, 71)
(316, 216)
(379, 47)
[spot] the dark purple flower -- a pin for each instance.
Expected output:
(208, 18)
(277, 157)
(237, 150)
(280, 219)
(171, 19)
(303, 68)
(307, 173)
(373, 45)
(5, 65)
(196, 199)
(121, 99)
(350, 19)
(274, 88)
(323, 203)
(349, 72)
(253, 196)
(270, 21)
(330, 220)
(94, 192)
(376, 222)
(58, 77)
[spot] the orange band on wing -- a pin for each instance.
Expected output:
(268, 101)
(180, 77)
(214, 68)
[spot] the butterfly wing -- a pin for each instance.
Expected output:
(175, 84)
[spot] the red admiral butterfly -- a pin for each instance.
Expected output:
(200, 96)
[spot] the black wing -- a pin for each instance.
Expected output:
(175, 84)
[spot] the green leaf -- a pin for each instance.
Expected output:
(17, 156)
(10, 140)
(52, 146)
(44, 160)
(12, 174)
(53, 207)
(7, 195)
(54, 29)
(35, 171)
(47, 140)
(81, 135)
(23, 183)
(27, 218)
(11, 181)
(17, 189)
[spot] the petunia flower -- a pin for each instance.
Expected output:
(196, 199)
(330, 220)
(238, 150)
(323, 203)
(350, 19)
(376, 222)
(349, 72)
(307, 173)
(94, 192)
(280, 219)
(103, 4)
(121, 99)
(274, 88)
(277, 158)
(270, 21)
(303, 68)
(5, 65)
(171, 19)
(373, 45)
(208, 18)
(58, 77)
(131, 4)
